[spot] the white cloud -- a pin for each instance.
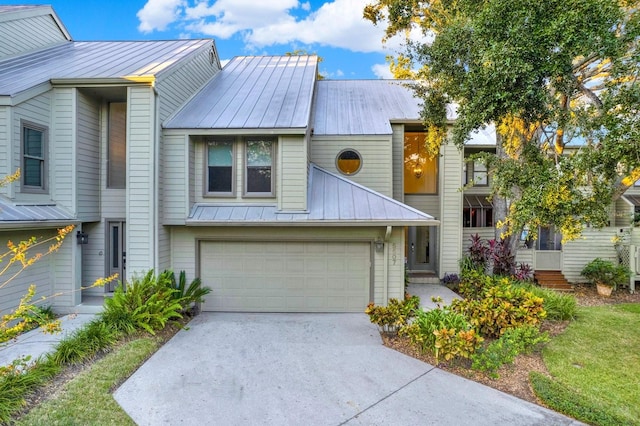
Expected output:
(337, 23)
(382, 71)
(158, 14)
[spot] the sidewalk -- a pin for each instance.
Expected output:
(426, 291)
(37, 343)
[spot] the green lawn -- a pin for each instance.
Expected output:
(87, 399)
(595, 366)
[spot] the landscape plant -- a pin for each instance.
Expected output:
(395, 315)
(606, 273)
(189, 296)
(558, 306)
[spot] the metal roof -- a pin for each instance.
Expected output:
(333, 200)
(362, 107)
(10, 213)
(633, 199)
(128, 60)
(253, 92)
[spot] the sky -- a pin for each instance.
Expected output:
(351, 47)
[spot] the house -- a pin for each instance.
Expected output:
(280, 191)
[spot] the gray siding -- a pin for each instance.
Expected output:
(375, 152)
(450, 177)
(484, 233)
(176, 179)
(22, 35)
(62, 152)
(88, 158)
(429, 204)
(141, 185)
(175, 87)
(623, 213)
(94, 257)
(6, 168)
(291, 173)
(594, 243)
(36, 110)
(397, 141)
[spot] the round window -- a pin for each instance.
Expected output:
(348, 161)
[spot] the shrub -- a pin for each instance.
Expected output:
(558, 306)
(502, 259)
(600, 271)
(395, 315)
(501, 307)
(524, 272)
(477, 254)
(473, 283)
(84, 343)
(148, 304)
(187, 296)
(505, 349)
(445, 333)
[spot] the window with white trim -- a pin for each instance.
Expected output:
(259, 165)
(220, 170)
(34, 157)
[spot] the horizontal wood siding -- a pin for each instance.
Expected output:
(429, 204)
(623, 213)
(6, 168)
(177, 86)
(38, 274)
(450, 234)
(94, 256)
(525, 256)
(22, 35)
(397, 141)
(484, 233)
(594, 243)
(65, 270)
(88, 158)
(62, 143)
(375, 152)
(175, 179)
(292, 173)
(141, 188)
(37, 110)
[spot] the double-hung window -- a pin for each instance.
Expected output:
(259, 167)
(220, 170)
(34, 148)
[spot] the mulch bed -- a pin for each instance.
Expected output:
(514, 379)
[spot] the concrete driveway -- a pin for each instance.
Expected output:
(306, 369)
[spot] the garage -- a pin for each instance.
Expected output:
(286, 276)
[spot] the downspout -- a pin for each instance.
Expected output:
(387, 235)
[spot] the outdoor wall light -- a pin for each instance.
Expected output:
(83, 237)
(379, 244)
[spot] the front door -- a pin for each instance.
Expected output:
(116, 259)
(421, 248)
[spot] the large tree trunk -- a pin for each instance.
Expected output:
(501, 208)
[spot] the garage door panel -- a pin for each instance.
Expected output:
(286, 276)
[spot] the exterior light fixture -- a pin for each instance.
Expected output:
(82, 237)
(379, 244)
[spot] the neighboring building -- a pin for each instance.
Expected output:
(281, 191)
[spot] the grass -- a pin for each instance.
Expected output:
(87, 399)
(595, 367)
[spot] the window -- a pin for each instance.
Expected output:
(117, 146)
(348, 162)
(420, 171)
(34, 148)
(548, 239)
(259, 163)
(220, 167)
(476, 173)
(477, 213)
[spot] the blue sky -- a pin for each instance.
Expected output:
(351, 47)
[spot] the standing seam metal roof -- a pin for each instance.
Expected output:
(332, 201)
(253, 92)
(93, 60)
(10, 212)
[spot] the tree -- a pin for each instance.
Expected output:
(547, 73)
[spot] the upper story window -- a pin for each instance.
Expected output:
(259, 163)
(348, 162)
(220, 167)
(476, 173)
(420, 171)
(117, 146)
(34, 149)
(477, 212)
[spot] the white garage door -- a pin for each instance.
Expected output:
(286, 276)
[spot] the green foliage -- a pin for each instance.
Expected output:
(563, 399)
(500, 307)
(600, 271)
(445, 333)
(505, 349)
(558, 306)
(397, 314)
(474, 282)
(84, 343)
(186, 295)
(148, 304)
(544, 72)
(23, 320)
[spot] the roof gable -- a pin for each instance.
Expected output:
(253, 92)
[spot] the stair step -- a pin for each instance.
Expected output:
(554, 280)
